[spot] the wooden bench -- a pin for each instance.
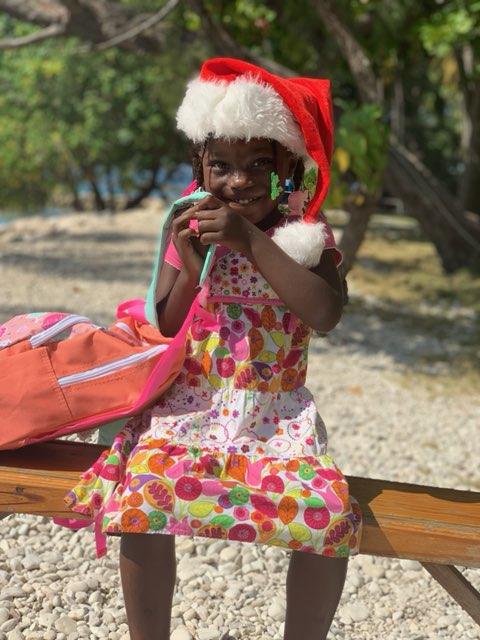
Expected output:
(438, 527)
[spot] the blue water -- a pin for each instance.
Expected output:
(172, 189)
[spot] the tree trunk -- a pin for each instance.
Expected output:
(442, 219)
(397, 110)
(99, 201)
(455, 238)
(470, 183)
(144, 192)
(76, 202)
(354, 232)
(111, 190)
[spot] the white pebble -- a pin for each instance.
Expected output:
(181, 633)
(228, 554)
(4, 615)
(208, 634)
(8, 625)
(411, 565)
(356, 611)
(65, 625)
(276, 611)
(445, 621)
(77, 587)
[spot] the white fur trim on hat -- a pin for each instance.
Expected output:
(242, 109)
(302, 241)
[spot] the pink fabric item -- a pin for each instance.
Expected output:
(135, 308)
(172, 257)
(190, 189)
(193, 224)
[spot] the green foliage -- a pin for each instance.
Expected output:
(455, 24)
(360, 153)
(66, 117)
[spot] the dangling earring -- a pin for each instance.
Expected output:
(286, 191)
(275, 187)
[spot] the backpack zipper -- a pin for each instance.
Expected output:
(116, 365)
(58, 327)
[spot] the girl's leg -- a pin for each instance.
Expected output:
(314, 586)
(148, 571)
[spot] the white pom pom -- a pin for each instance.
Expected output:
(302, 241)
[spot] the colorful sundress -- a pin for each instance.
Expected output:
(235, 449)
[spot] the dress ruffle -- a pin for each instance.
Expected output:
(300, 504)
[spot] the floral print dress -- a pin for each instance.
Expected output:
(235, 449)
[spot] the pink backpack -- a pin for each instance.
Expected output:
(60, 373)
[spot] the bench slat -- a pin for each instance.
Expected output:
(401, 520)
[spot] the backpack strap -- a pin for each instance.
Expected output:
(165, 232)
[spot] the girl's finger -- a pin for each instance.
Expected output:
(183, 219)
(207, 214)
(184, 235)
(210, 224)
(210, 237)
(209, 203)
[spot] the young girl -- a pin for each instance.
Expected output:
(235, 449)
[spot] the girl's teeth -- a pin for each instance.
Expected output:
(245, 201)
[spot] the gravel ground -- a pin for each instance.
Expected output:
(51, 585)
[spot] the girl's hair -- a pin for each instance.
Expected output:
(198, 153)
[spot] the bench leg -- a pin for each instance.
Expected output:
(457, 586)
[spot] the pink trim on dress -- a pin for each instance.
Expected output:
(172, 257)
(245, 299)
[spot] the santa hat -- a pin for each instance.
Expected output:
(235, 99)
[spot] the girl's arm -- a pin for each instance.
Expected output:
(175, 293)
(176, 288)
(314, 295)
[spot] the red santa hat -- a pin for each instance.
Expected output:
(235, 99)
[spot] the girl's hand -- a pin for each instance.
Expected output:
(186, 243)
(218, 223)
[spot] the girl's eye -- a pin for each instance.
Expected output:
(218, 165)
(262, 162)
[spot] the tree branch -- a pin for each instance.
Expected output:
(369, 88)
(42, 14)
(228, 46)
(102, 23)
(53, 31)
(135, 30)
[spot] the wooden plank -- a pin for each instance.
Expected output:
(35, 479)
(452, 580)
(429, 524)
(419, 522)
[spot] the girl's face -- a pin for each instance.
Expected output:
(238, 173)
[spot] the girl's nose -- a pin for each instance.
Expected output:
(240, 179)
